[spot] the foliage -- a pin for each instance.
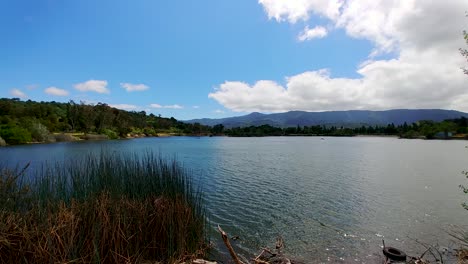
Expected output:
(14, 134)
(422, 129)
(39, 132)
(107, 208)
(217, 129)
(111, 134)
(149, 132)
(36, 117)
(39, 118)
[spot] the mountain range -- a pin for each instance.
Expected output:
(351, 118)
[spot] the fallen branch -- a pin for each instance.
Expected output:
(229, 247)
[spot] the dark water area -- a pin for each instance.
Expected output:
(331, 200)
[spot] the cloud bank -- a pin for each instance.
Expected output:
(425, 73)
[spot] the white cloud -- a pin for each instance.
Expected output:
(218, 111)
(387, 23)
(175, 106)
(294, 10)
(412, 81)
(18, 93)
(98, 86)
(129, 87)
(124, 106)
(424, 73)
(56, 91)
(316, 32)
(195, 107)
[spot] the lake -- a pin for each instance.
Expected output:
(331, 199)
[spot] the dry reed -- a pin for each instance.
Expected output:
(109, 208)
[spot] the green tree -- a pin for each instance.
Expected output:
(86, 117)
(73, 114)
(39, 132)
(103, 117)
(14, 134)
(217, 129)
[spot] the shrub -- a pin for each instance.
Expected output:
(14, 134)
(39, 132)
(136, 131)
(150, 132)
(111, 134)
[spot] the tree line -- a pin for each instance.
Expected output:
(29, 121)
(422, 129)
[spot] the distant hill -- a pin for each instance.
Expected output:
(352, 118)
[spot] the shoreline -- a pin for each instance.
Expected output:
(81, 137)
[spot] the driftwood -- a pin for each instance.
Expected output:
(266, 256)
(225, 238)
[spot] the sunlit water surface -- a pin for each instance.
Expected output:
(331, 199)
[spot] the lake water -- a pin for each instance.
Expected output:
(331, 200)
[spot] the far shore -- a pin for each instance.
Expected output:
(80, 136)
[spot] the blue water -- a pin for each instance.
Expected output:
(331, 200)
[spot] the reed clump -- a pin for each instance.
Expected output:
(106, 208)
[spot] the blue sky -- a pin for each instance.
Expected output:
(193, 59)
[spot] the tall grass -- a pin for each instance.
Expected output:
(104, 208)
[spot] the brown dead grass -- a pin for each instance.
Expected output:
(102, 230)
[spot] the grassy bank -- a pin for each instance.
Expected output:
(106, 208)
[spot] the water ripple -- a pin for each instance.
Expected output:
(331, 200)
